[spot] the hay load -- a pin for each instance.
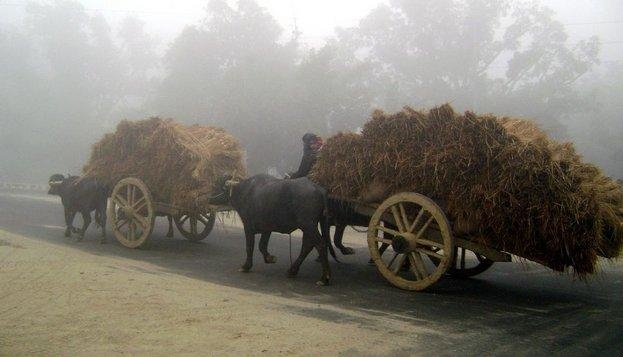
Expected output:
(502, 182)
(180, 164)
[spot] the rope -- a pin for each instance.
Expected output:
(290, 234)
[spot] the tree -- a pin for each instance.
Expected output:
(232, 70)
(488, 55)
(66, 83)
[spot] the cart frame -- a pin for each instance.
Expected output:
(132, 212)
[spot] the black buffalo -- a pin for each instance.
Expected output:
(267, 204)
(81, 195)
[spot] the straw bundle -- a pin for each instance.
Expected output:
(180, 164)
(502, 182)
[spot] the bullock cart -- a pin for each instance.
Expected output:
(412, 244)
(158, 167)
(132, 211)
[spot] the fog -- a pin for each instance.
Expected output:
(268, 73)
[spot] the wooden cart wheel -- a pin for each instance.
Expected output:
(195, 227)
(422, 229)
(131, 212)
(468, 263)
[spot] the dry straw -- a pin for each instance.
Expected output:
(180, 164)
(502, 182)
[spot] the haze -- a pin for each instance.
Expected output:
(270, 71)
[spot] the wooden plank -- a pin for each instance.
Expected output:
(490, 253)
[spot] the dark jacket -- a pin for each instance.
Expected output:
(307, 162)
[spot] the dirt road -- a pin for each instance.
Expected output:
(61, 297)
(58, 300)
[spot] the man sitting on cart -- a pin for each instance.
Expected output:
(312, 144)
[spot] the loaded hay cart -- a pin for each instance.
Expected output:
(422, 242)
(133, 210)
(158, 167)
(452, 194)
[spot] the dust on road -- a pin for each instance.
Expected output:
(59, 300)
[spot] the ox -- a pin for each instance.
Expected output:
(266, 204)
(81, 195)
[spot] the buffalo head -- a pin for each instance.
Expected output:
(55, 183)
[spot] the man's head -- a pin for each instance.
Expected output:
(312, 141)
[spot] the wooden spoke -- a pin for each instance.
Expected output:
(193, 225)
(122, 201)
(383, 240)
(427, 242)
(423, 229)
(139, 204)
(430, 253)
(462, 258)
(141, 220)
(131, 230)
(393, 259)
(433, 239)
(398, 219)
(388, 230)
(201, 218)
(416, 220)
(468, 263)
(417, 265)
(399, 262)
(123, 223)
(403, 216)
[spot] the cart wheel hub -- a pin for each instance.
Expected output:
(404, 243)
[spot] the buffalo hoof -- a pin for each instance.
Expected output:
(170, 235)
(323, 282)
(75, 230)
(270, 259)
(371, 262)
(292, 273)
(67, 233)
(347, 251)
(244, 269)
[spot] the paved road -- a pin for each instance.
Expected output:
(519, 308)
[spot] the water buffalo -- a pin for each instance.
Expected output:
(267, 204)
(81, 195)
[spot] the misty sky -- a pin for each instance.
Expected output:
(316, 19)
(88, 74)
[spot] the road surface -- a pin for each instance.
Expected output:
(59, 296)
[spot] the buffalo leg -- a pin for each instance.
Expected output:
(250, 240)
(69, 222)
(170, 232)
(86, 217)
(321, 245)
(306, 247)
(268, 259)
(103, 218)
(337, 240)
(311, 239)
